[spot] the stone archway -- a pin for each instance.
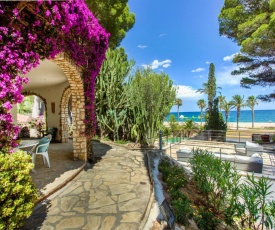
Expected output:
(64, 126)
(76, 89)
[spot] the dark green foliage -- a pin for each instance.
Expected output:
(272, 208)
(255, 196)
(226, 106)
(164, 167)
(112, 105)
(165, 131)
(189, 127)
(151, 96)
(223, 196)
(251, 25)
(210, 87)
(174, 126)
(175, 179)
(223, 193)
(171, 174)
(114, 16)
(214, 119)
(211, 84)
(238, 102)
(17, 192)
(182, 209)
(201, 104)
(206, 220)
(216, 180)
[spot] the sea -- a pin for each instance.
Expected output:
(261, 116)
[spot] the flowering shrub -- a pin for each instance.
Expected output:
(17, 191)
(31, 31)
(206, 220)
(38, 123)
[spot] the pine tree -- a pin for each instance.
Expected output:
(214, 119)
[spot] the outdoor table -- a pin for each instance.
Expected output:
(27, 144)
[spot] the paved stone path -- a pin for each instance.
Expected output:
(113, 194)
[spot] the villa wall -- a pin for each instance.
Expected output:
(63, 75)
(52, 94)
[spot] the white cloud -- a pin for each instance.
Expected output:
(142, 46)
(161, 35)
(207, 62)
(230, 57)
(224, 76)
(166, 65)
(156, 64)
(198, 70)
(185, 91)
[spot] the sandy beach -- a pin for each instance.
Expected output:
(243, 125)
(249, 125)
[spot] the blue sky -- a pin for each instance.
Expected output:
(181, 37)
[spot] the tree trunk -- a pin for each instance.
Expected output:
(238, 117)
(252, 117)
(226, 119)
(201, 117)
(178, 114)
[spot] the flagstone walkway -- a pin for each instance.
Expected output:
(112, 194)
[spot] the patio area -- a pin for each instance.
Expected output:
(226, 148)
(63, 169)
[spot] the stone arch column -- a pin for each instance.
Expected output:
(73, 74)
(64, 115)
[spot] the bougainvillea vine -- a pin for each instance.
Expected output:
(35, 30)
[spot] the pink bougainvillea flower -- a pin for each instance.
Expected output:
(66, 30)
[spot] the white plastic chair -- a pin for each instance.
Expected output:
(42, 149)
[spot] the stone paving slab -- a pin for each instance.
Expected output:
(113, 194)
(63, 167)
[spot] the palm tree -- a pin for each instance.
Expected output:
(251, 102)
(238, 103)
(221, 99)
(178, 102)
(226, 106)
(190, 127)
(202, 104)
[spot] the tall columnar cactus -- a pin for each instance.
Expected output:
(111, 91)
(151, 97)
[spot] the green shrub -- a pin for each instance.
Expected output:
(206, 220)
(182, 209)
(175, 181)
(177, 195)
(271, 208)
(255, 194)
(165, 168)
(218, 181)
(17, 192)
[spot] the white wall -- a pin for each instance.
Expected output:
(52, 94)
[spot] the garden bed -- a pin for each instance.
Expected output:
(213, 197)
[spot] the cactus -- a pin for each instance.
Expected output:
(111, 92)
